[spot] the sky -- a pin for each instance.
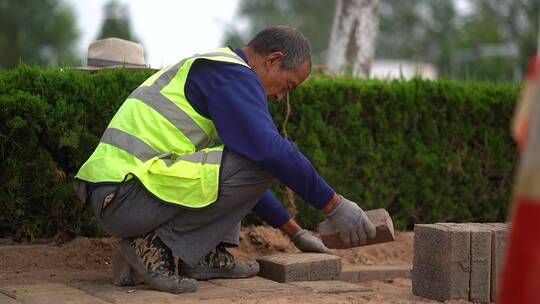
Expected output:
(168, 29)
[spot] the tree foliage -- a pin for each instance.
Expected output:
(117, 22)
(486, 39)
(37, 33)
(482, 39)
(311, 17)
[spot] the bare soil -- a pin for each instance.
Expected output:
(262, 240)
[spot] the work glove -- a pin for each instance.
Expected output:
(307, 242)
(351, 222)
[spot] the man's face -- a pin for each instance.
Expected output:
(278, 81)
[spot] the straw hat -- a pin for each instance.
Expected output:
(110, 53)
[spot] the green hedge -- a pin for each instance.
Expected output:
(426, 151)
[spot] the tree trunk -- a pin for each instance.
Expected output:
(352, 42)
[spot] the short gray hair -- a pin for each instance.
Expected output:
(285, 39)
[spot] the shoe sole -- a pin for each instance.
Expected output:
(157, 282)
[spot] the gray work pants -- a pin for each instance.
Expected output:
(190, 233)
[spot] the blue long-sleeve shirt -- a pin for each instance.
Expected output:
(233, 97)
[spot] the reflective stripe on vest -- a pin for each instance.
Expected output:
(157, 136)
(144, 152)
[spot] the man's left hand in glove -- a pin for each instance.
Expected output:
(307, 242)
(303, 239)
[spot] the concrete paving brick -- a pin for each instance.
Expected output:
(4, 299)
(207, 290)
(499, 242)
(52, 293)
(441, 262)
(499, 239)
(300, 267)
(362, 273)
(379, 217)
(128, 294)
(480, 264)
(330, 286)
(254, 285)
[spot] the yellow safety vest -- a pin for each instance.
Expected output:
(159, 138)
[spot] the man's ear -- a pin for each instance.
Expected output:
(274, 58)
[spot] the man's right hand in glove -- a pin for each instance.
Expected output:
(349, 220)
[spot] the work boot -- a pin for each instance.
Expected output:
(154, 262)
(219, 263)
(123, 273)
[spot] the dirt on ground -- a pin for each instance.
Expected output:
(95, 253)
(262, 240)
(88, 260)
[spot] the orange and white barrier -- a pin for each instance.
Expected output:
(521, 275)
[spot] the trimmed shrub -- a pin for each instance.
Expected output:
(427, 151)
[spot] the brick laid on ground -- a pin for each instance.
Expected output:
(300, 267)
(362, 273)
(253, 285)
(441, 262)
(52, 293)
(330, 286)
(4, 299)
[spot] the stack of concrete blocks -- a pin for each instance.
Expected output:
(458, 261)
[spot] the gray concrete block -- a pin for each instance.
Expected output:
(441, 262)
(499, 242)
(480, 285)
(300, 267)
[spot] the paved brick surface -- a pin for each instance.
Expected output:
(300, 267)
(441, 262)
(253, 285)
(330, 286)
(208, 290)
(52, 293)
(4, 299)
(364, 273)
(252, 290)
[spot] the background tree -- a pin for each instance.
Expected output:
(117, 22)
(418, 30)
(486, 39)
(311, 17)
(498, 39)
(352, 43)
(37, 33)
(483, 39)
